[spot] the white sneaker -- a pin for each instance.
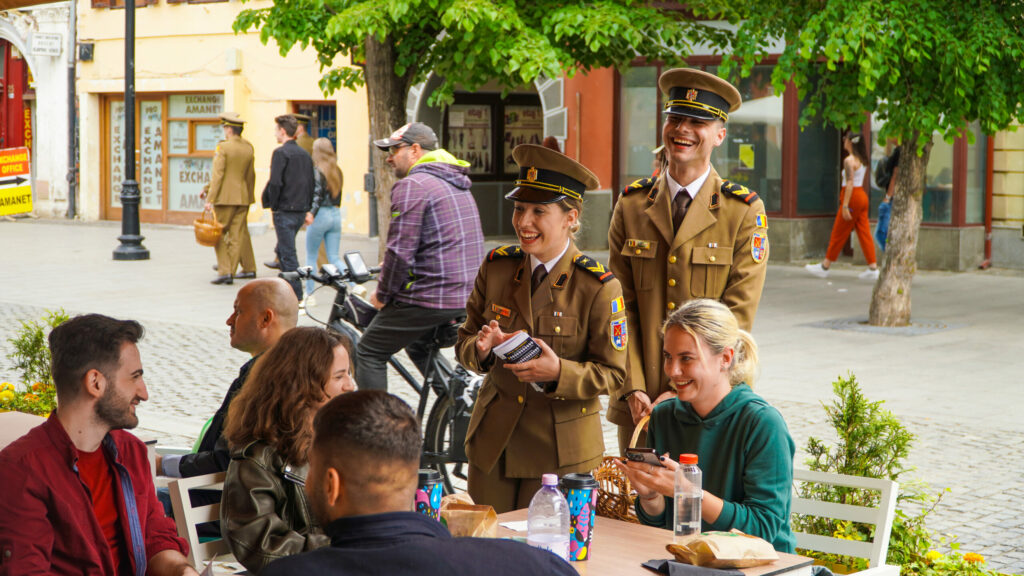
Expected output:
(869, 274)
(817, 270)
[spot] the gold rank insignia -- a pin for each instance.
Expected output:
(531, 174)
(501, 311)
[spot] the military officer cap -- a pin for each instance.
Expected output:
(302, 118)
(231, 119)
(547, 176)
(697, 94)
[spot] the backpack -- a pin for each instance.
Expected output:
(884, 170)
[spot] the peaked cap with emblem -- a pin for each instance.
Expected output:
(302, 118)
(547, 176)
(697, 94)
(231, 119)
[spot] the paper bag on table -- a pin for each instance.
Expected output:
(463, 518)
(724, 550)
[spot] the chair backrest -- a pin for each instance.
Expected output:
(880, 517)
(14, 425)
(187, 516)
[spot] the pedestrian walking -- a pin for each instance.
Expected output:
(323, 221)
(853, 211)
(230, 193)
(886, 179)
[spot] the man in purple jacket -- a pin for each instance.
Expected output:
(435, 247)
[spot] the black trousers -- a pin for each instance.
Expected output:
(397, 326)
(286, 225)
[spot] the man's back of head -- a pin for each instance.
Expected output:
(264, 309)
(369, 442)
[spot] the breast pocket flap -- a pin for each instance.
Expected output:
(717, 256)
(557, 326)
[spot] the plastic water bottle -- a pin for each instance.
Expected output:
(547, 524)
(688, 495)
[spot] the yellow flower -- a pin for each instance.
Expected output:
(7, 386)
(6, 395)
(973, 557)
(933, 555)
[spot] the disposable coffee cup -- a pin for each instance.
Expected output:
(428, 494)
(580, 491)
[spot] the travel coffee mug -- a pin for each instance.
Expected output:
(580, 491)
(428, 493)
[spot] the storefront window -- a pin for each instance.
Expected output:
(117, 152)
(937, 203)
(639, 121)
(469, 131)
(818, 172)
(977, 160)
(484, 128)
(523, 125)
(151, 169)
(752, 152)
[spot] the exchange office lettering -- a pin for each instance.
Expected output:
(15, 200)
(203, 104)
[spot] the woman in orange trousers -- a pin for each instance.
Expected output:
(853, 211)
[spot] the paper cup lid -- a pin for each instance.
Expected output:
(578, 482)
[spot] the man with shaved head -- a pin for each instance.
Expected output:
(264, 310)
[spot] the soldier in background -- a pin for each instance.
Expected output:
(230, 193)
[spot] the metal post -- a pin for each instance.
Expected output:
(72, 118)
(131, 247)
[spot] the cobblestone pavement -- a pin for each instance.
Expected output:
(959, 389)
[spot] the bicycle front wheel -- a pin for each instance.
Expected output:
(439, 438)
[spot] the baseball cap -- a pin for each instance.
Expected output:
(412, 133)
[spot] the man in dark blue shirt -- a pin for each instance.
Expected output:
(363, 472)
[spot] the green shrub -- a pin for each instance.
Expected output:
(31, 356)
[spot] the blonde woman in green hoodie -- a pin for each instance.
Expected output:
(742, 443)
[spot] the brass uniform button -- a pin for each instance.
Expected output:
(583, 410)
(712, 259)
(671, 305)
(672, 259)
(671, 281)
(520, 398)
(558, 329)
(637, 252)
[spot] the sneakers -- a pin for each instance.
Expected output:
(817, 270)
(869, 274)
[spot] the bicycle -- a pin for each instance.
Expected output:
(444, 432)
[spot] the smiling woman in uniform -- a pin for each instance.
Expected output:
(543, 415)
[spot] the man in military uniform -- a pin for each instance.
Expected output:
(687, 234)
(230, 193)
(302, 137)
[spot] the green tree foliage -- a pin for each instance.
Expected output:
(921, 66)
(31, 353)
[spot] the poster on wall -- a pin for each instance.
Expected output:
(151, 169)
(117, 153)
(470, 136)
(523, 125)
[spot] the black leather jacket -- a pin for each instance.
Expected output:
(264, 514)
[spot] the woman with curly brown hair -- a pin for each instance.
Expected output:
(264, 514)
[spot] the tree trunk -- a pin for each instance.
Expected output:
(386, 94)
(890, 300)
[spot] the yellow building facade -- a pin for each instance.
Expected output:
(189, 67)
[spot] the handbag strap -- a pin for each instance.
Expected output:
(638, 430)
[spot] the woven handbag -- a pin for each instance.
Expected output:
(208, 230)
(615, 496)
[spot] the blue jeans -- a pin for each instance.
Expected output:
(286, 225)
(882, 228)
(326, 227)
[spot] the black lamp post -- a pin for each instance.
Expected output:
(131, 247)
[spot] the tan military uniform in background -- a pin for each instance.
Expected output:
(516, 433)
(719, 252)
(232, 191)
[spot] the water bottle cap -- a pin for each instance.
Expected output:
(549, 480)
(687, 458)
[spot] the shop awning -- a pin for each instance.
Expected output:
(15, 4)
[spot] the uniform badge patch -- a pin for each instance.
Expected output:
(531, 174)
(501, 311)
(759, 246)
(761, 220)
(617, 305)
(691, 94)
(619, 334)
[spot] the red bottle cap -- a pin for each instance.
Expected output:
(687, 458)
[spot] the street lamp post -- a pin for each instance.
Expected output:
(131, 247)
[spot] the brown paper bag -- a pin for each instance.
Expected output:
(724, 550)
(463, 518)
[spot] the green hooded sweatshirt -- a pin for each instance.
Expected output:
(745, 454)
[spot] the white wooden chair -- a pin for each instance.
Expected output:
(880, 517)
(14, 425)
(186, 517)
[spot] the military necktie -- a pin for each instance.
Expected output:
(679, 205)
(539, 273)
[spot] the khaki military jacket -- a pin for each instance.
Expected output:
(233, 182)
(572, 311)
(305, 141)
(719, 252)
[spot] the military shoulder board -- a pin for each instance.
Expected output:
(594, 267)
(509, 251)
(739, 191)
(641, 184)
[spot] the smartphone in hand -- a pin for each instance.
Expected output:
(645, 455)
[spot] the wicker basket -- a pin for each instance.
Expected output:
(208, 230)
(615, 496)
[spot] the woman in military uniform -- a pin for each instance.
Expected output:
(542, 415)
